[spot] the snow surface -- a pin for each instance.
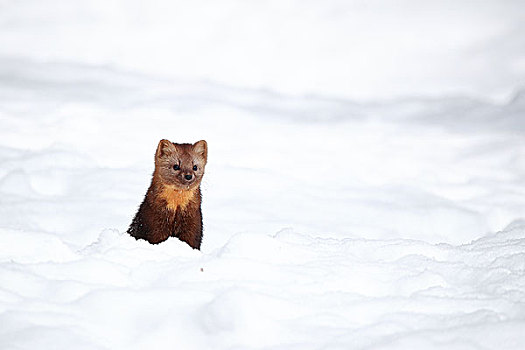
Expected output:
(369, 203)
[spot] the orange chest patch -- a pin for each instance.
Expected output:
(176, 198)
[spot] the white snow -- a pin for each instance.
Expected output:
(365, 185)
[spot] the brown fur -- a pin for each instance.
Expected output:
(172, 206)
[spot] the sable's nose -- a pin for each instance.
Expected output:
(188, 177)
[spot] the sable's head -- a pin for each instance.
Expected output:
(181, 164)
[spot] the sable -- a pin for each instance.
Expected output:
(172, 206)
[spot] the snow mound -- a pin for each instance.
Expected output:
(288, 290)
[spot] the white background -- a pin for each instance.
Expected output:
(365, 184)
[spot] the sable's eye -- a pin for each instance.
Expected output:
(176, 167)
(194, 168)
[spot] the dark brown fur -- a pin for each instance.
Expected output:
(172, 206)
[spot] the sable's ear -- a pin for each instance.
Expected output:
(201, 147)
(165, 148)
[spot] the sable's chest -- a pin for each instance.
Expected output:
(176, 198)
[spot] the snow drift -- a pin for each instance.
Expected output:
(338, 215)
